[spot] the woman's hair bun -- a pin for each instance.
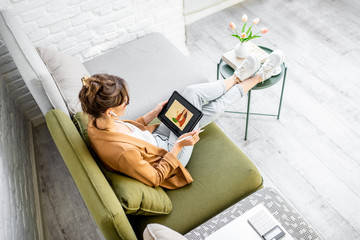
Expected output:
(88, 80)
(102, 91)
(94, 85)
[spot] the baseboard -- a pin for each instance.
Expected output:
(38, 120)
(196, 15)
(39, 221)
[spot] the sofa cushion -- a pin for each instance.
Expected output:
(222, 174)
(135, 197)
(80, 120)
(153, 69)
(138, 198)
(66, 71)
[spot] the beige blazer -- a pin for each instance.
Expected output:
(137, 158)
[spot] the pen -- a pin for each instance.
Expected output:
(189, 136)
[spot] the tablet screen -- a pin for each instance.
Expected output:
(179, 115)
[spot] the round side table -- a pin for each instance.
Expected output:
(226, 71)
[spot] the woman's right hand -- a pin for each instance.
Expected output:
(190, 141)
(187, 142)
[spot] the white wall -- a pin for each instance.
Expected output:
(197, 9)
(87, 28)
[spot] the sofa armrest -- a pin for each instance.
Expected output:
(32, 69)
(94, 188)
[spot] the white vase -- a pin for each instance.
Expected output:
(242, 49)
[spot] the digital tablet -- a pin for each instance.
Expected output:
(179, 115)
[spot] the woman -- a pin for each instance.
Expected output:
(152, 153)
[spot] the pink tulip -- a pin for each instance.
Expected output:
(232, 25)
(264, 30)
(256, 21)
(244, 18)
(243, 35)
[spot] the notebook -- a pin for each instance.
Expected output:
(234, 62)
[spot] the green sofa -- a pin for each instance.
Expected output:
(222, 173)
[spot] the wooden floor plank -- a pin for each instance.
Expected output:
(297, 189)
(65, 214)
(316, 136)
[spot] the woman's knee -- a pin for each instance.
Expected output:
(190, 90)
(194, 93)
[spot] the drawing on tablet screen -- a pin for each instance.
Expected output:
(179, 115)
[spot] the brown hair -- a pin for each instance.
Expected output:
(102, 91)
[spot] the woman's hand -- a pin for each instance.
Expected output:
(189, 141)
(193, 137)
(153, 114)
(159, 107)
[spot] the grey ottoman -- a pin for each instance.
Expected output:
(289, 218)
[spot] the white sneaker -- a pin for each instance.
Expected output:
(247, 68)
(274, 60)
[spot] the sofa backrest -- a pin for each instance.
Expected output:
(153, 68)
(95, 190)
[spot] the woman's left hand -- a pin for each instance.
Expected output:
(154, 113)
(159, 107)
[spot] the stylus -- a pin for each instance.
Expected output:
(189, 136)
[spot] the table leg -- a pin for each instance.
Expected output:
(282, 92)
(247, 114)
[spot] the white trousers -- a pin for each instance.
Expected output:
(212, 99)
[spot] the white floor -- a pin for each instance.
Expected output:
(312, 154)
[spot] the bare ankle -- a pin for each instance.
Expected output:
(260, 79)
(236, 79)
